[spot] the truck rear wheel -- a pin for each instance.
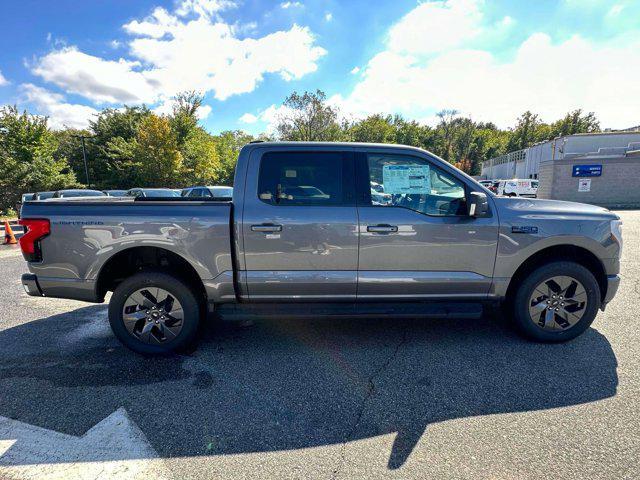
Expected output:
(154, 313)
(556, 302)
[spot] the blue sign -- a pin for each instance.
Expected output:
(587, 171)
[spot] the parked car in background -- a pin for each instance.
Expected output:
(216, 191)
(44, 195)
(77, 192)
(517, 187)
(153, 193)
(304, 235)
(25, 198)
(115, 193)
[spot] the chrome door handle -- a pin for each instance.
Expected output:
(266, 228)
(382, 228)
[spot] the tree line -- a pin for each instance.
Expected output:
(135, 147)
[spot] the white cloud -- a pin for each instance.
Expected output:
(248, 118)
(203, 7)
(95, 78)
(545, 77)
(166, 108)
(203, 112)
(156, 25)
(507, 21)
(286, 5)
(61, 114)
(188, 49)
(270, 116)
(3, 80)
(355, 70)
(615, 10)
(328, 16)
(433, 27)
(431, 62)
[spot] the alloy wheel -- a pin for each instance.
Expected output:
(153, 315)
(558, 303)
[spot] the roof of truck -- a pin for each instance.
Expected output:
(333, 145)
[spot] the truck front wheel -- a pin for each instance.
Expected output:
(556, 302)
(154, 313)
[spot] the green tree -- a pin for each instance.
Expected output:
(575, 122)
(111, 152)
(228, 144)
(156, 153)
(201, 158)
(184, 116)
(529, 130)
(27, 163)
(376, 128)
(445, 133)
(69, 149)
(308, 117)
(410, 132)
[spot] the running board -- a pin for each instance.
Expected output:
(233, 311)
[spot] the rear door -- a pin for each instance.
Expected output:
(416, 239)
(300, 226)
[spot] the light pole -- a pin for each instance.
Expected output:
(84, 155)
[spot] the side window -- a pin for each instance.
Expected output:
(303, 178)
(205, 192)
(414, 183)
(195, 192)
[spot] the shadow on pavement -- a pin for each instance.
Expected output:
(280, 385)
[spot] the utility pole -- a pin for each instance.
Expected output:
(84, 156)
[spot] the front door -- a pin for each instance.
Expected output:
(300, 226)
(416, 239)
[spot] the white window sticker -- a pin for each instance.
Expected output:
(406, 179)
(291, 174)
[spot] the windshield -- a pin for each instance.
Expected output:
(82, 193)
(221, 191)
(160, 192)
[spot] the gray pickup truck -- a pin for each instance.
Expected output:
(326, 229)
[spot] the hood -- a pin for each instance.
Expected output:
(102, 198)
(552, 207)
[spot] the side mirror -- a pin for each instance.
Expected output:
(478, 205)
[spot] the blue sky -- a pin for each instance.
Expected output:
(488, 59)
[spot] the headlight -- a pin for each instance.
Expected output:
(616, 232)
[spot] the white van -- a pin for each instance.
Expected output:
(517, 187)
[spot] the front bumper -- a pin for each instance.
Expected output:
(30, 285)
(613, 281)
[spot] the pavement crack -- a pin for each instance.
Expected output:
(370, 392)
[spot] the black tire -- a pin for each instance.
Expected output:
(521, 303)
(188, 300)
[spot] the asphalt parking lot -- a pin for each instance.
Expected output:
(319, 399)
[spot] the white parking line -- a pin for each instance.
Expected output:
(114, 448)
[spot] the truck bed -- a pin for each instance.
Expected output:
(87, 233)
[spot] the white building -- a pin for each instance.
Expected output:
(600, 168)
(526, 163)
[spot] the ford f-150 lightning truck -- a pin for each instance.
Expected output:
(326, 229)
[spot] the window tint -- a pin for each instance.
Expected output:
(195, 192)
(302, 178)
(414, 183)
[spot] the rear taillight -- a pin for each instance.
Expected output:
(35, 230)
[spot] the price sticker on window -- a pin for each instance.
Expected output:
(407, 179)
